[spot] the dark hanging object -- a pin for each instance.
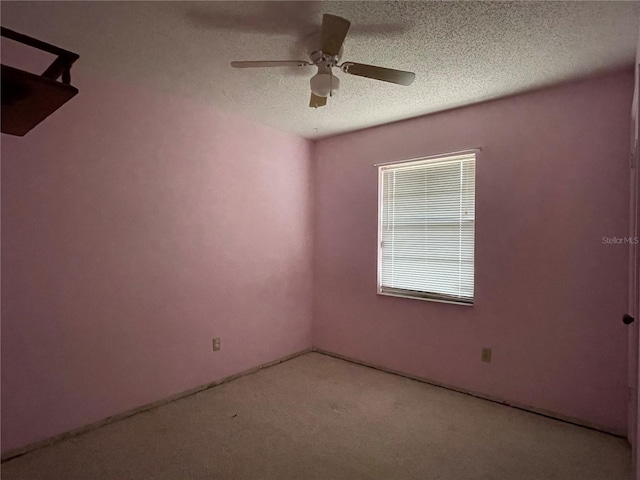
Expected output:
(27, 99)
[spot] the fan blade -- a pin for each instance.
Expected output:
(379, 73)
(317, 101)
(334, 30)
(271, 63)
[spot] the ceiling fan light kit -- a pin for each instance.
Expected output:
(325, 84)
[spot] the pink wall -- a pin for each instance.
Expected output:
(135, 228)
(552, 180)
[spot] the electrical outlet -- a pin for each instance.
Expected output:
(486, 355)
(216, 344)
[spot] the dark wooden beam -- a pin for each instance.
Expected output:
(27, 98)
(40, 45)
(61, 66)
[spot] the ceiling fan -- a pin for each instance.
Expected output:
(324, 84)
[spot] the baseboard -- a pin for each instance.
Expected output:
(11, 454)
(491, 398)
(18, 452)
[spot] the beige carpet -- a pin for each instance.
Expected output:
(317, 417)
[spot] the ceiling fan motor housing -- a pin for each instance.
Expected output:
(325, 83)
(314, 49)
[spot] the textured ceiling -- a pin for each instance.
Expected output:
(462, 52)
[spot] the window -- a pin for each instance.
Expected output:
(426, 224)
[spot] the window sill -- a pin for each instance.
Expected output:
(438, 300)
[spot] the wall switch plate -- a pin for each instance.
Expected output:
(216, 344)
(486, 355)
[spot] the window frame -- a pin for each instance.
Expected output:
(430, 297)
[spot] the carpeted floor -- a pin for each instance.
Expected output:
(318, 417)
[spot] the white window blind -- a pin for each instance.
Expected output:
(426, 228)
